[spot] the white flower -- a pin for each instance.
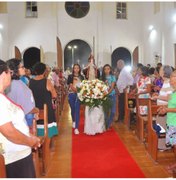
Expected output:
(87, 100)
(92, 91)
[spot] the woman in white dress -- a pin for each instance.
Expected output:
(94, 117)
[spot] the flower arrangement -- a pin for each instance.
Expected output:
(93, 93)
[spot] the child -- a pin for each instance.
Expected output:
(73, 80)
(109, 78)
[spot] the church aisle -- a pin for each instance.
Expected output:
(61, 157)
(101, 156)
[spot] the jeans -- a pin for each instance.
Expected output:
(75, 108)
(112, 111)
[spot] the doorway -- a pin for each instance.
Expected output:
(31, 56)
(120, 53)
(76, 51)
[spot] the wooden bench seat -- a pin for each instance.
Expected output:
(152, 135)
(128, 109)
(141, 119)
(2, 167)
(42, 153)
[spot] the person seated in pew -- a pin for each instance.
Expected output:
(144, 83)
(143, 88)
(137, 73)
(15, 140)
(170, 110)
(158, 81)
(152, 74)
(161, 97)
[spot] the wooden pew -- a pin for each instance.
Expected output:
(56, 107)
(59, 99)
(45, 148)
(128, 109)
(44, 151)
(152, 135)
(35, 153)
(141, 119)
(2, 167)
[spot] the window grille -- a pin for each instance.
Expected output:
(121, 10)
(31, 10)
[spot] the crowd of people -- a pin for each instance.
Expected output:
(157, 83)
(23, 93)
(15, 138)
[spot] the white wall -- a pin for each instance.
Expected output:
(96, 24)
(28, 32)
(152, 40)
(161, 40)
(169, 34)
(83, 28)
(100, 23)
(4, 37)
(121, 33)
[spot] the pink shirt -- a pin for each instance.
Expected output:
(56, 79)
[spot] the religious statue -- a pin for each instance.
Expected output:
(91, 71)
(94, 117)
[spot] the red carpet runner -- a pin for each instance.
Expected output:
(102, 156)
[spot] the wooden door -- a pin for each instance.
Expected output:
(59, 53)
(17, 53)
(136, 56)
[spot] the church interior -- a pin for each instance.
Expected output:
(60, 34)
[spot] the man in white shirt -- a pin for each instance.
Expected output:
(125, 79)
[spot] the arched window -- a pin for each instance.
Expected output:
(77, 9)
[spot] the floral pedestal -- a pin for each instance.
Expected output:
(94, 120)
